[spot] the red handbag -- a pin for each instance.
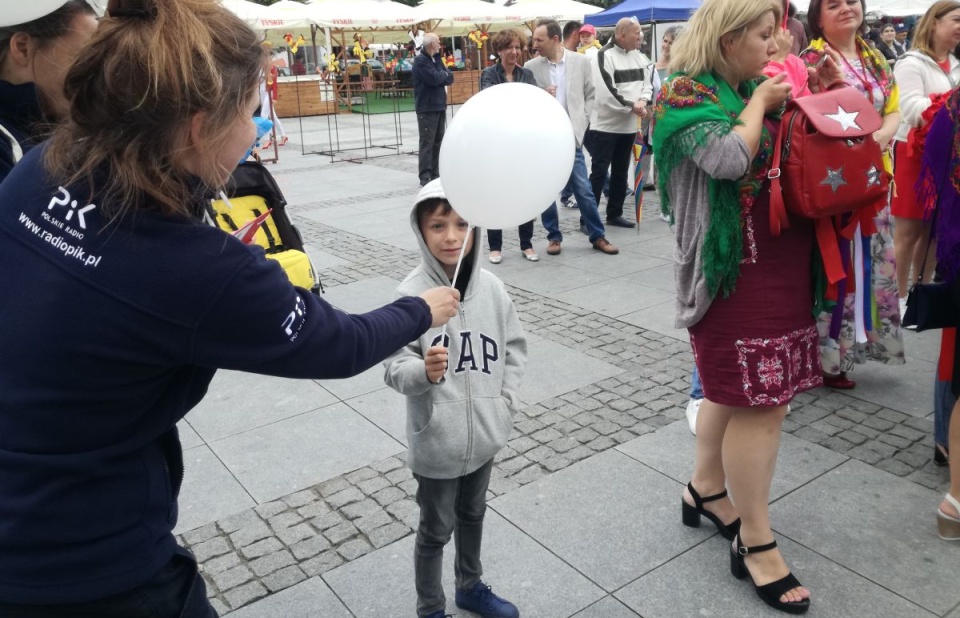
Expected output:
(827, 163)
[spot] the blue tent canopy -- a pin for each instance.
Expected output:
(645, 11)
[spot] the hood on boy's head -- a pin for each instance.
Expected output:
(433, 190)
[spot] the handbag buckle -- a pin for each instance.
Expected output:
(773, 173)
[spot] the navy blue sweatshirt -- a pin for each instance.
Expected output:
(109, 334)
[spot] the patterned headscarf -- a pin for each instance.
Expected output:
(691, 110)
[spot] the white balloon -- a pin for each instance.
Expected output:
(498, 126)
(16, 13)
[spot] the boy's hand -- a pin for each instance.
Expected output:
(436, 363)
(443, 302)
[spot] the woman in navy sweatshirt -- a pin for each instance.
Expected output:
(119, 304)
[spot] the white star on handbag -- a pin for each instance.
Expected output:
(847, 120)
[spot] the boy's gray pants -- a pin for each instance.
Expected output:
(449, 506)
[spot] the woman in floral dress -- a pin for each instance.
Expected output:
(846, 338)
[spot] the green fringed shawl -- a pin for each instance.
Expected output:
(689, 112)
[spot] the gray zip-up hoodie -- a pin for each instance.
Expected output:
(458, 425)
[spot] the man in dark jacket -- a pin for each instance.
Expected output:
(430, 79)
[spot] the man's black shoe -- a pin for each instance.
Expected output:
(620, 222)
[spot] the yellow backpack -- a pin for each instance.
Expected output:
(240, 211)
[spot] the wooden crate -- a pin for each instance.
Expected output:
(465, 85)
(302, 98)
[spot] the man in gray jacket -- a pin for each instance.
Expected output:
(566, 75)
(623, 94)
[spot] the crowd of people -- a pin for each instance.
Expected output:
(112, 131)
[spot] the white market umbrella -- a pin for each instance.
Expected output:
(560, 10)
(899, 8)
(466, 13)
(361, 14)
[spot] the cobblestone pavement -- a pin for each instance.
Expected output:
(281, 543)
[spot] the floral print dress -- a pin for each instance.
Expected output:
(885, 338)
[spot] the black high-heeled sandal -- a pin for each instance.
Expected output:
(768, 593)
(691, 514)
(941, 457)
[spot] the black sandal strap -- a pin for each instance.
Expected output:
(743, 550)
(698, 501)
(775, 590)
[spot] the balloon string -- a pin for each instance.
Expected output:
(456, 273)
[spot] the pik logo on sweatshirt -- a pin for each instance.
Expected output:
(489, 352)
(72, 206)
(293, 323)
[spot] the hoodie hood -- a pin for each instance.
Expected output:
(431, 265)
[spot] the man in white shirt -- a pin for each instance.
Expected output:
(623, 93)
(567, 76)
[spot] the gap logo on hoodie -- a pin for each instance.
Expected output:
(489, 352)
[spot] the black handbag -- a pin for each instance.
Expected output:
(931, 305)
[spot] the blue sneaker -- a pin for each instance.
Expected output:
(481, 600)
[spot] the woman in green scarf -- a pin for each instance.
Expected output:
(745, 297)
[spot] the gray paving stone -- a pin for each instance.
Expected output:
(835, 590)
(351, 550)
(885, 517)
(341, 532)
(209, 492)
(231, 578)
(286, 456)
(285, 520)
(385, 535)
(670, 450)
(372, 521)
(572, 513)
(261, 548)
(309, 547)
(399, 475)
(607, 607)
(295, 533)
(210, 549)
(371, 486)
(244, 594)
(270, 509)
(284, 578)
(363, 508)
(250, 533)
(327, 520)
(308, 599)
(300, 498)
(360, 475)
(539, 583)
(201, 534)
(270, 563)
(554, 369)
(221, 564)
(342, 498)
(328, 488)
(322, 563)
(219, 606)
(239, 520)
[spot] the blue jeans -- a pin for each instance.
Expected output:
(696, 387)
(943, 402)
(583, 192)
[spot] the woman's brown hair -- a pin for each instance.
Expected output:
(152, 66)
(504, 38)
(923, 34)
(813, 18)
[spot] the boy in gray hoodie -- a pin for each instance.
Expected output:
(462, 386)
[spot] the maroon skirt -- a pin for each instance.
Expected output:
(759, 346)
